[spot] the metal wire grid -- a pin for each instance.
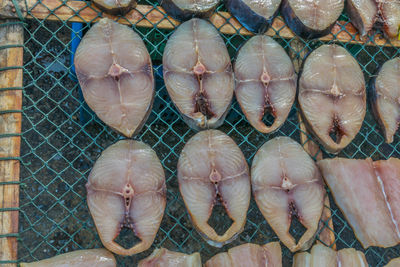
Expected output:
(61, 140)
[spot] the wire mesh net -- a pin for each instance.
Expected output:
(61, 139)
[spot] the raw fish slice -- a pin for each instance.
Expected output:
(393, 263)
(332, 96)
(245, 255)
(363, 14)
(212, 170)
(81, 258)
(312, 18)
(165, 258)
(322, 256)
(287, 183)
(256, 16)
(186, 9)
(126, 188)
(114, 70)
(359, 189)
(115, 7)
(201, 86)
(390, 16)
(385, 98)
(265, 82)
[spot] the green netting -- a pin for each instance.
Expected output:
(61, 139)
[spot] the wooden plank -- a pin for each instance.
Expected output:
(148, 16)
(10, 124)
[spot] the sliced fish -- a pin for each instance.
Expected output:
(198, 74)
(332, 96)
(393, 263)
(363, 14)
(115, 7)
(265, 82)
(165, 258)
(212, 170)
(389, 11)
(385, 98)
(322, 256)
(312, 18)
(186, 9)
(114, 70)
(256, 16)
(126, 188)
(80, 258)
(268, 255)
(367, 194)
(287, 183)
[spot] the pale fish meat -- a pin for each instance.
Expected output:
(393, 263)
(115, 7)
(363, 14)
(268, 255)
(389, 11)
(287, 183)
(198, 74)
(126, 188)
(312, 18)
(265, 82)
(367, 194)
(332, 96)
(165, 258)
(115, 72)
(187, 9)
(322, 256)
(385, 98)
(212, 170)
(80, 258)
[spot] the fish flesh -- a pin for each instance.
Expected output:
(165, 258)
(385, 98)
(322, 256)
(212, 170)
(363, 14)
(286, 183)
(312, 18)
(265, 82)
(393, 263)
(187, 9)
(115, 73)
(81, 258)
(256, 16)
(389, 11)
(367, 194)
(268, 255)
(332, 96)
(115, 7)
(126, 188)
(201, 86)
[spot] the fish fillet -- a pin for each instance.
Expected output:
(115, 7)
(389, 11)
(393, 263)
(165, 258)
(363, 14)
(186, 9)
(286, 183)
(212, 170)
(367, 194)
(126, 188)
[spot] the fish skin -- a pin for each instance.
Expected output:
(115, 7)
(99, 257)
(210, 164)
(117, 86)
(261, 56)
(321, 255)
(276, 188)
(372, 187)
(332, 98)
(389, 11)
(297, 16)
(184, 10)
(385, 98)
(126, 187)
(268, 255)
(363, 14)
(166, 258)
(197, 96)
(255, 16)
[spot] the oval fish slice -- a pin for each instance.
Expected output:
(198, 74)
(114, 70)
(115, 7)
(363, 14)
(265, 82)
(389, 11)
(126, 188)
(187, 9)
(165, 258)
(213, 170)
(286, 183)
